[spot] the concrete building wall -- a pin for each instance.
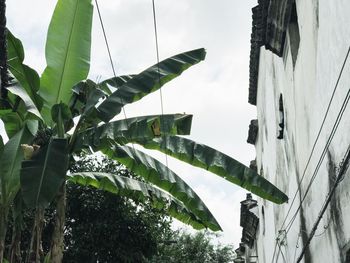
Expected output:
(306, 85)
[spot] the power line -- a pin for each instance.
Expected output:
(335, 126)
(341, 174)
(324, 152)
(318, 135)
(280, 250)
(112, 66)
(109, 54)
(158, 70)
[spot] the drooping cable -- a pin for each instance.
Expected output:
(109, 52)
(335, 126)
(341, 174)
(324, 152)
(158, 71)
(318, 135)
(112, 66)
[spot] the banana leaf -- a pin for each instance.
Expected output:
(218, 163)
(158, 174)
(122, 131)
(10, 164)
(67, 52)
(44, 173)
(110, 85)
(19, 91)
(147, 82)
(26, 76)
(138, 191)
(12, 121)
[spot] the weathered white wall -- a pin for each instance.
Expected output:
(324, 27)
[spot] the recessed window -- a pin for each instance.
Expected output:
(294, 35)
(263, 219)
(281, 119)
(347, 260)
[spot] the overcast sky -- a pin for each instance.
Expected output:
(215, 91)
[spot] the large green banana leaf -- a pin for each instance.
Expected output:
(145, 127)
(67, 52)
(160, 175)
(218, 163)
(10, 164)
(19, 91)
(139, 191)
(26, 76)
(44, 173)
(110, 85)
(13, 122)
(147, 82)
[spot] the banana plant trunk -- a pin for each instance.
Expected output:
(57, 242)
(15, 250)
(35, 251)
(3, 228)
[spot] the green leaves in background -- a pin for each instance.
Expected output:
(160, 175)
(27, 77)
(218, 163)
(42, 175)
(22, 93)
(67, 52)
(10, 164)
(128, 130)
(147, 82)
(139, 191)
(110, 85)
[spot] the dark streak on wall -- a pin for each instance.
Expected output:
(303, 229)
(335, 209)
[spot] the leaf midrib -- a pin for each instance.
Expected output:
(43, 172)
(66, 55)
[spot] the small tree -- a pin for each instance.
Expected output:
(183, 247)
(38, 114)
(101, 226)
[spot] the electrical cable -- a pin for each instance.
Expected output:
(341, 174)
(324, 152)
(109, 54)
(112, 66)
(158, 70)
(280, 249)
(274, 251)
(312, 151)
(318, 135)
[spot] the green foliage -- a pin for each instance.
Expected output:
(68, 47)
(160, 175)
(10, 163)
(139, 192)
(104, 227)
(218, 163)
(44, 173)
(182, 247)
(50, 103)
(26, 76)
(147, 82)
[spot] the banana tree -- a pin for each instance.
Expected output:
(61, 113)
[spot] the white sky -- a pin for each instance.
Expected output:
(214, 91)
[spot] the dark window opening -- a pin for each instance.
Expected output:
(294, 35)
(263, 219)
(281, 119)
(347, 260)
